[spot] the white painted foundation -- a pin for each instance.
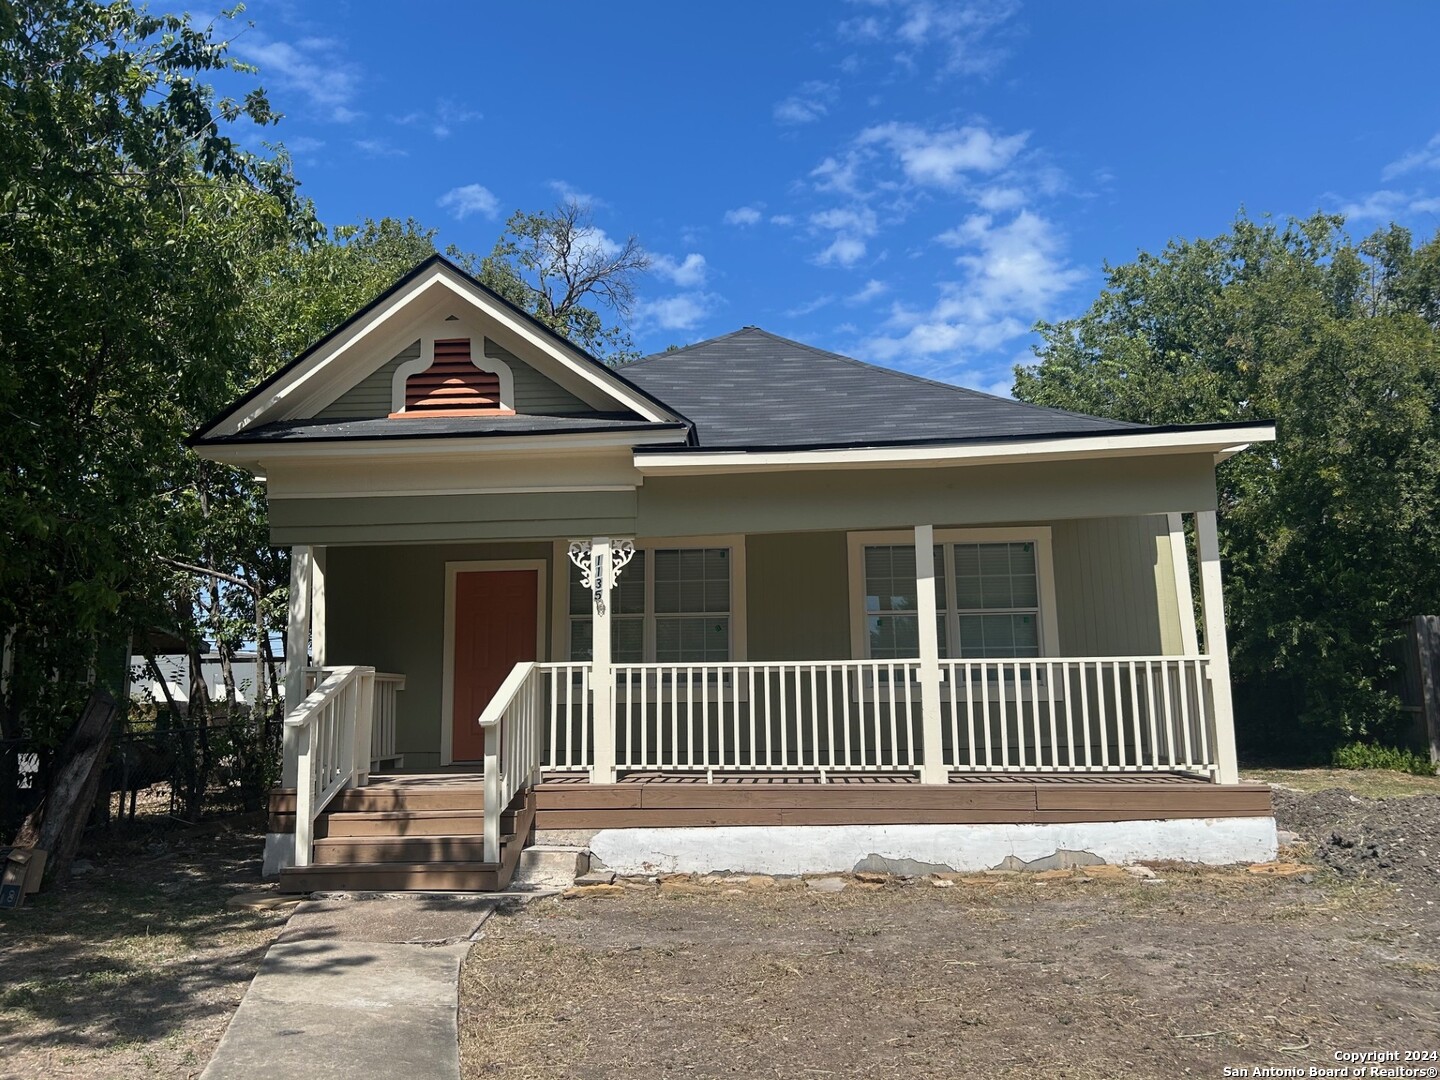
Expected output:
(818, 849)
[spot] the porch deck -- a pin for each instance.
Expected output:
(567, 801)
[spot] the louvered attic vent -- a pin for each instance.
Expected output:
(453, 385)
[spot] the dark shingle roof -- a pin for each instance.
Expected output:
(439, 427)
(754, 389)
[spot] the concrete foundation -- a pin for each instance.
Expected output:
(820, 849)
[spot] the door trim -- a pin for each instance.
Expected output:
(447, 691)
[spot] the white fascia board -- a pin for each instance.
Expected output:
(250, 455)
(1218, 441)
(311, 376)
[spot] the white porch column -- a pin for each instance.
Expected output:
(934, 769)
(602, 677)
(1212, 606)
(297, 644)
(317, 606)
(1184, 598)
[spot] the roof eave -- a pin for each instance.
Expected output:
(1220, 440)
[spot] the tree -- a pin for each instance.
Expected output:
(555, 265)
(1333, 534)
(125, 213)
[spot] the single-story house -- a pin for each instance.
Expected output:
(744, 605)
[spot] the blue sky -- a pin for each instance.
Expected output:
(905, 181)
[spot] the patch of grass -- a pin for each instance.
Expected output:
(1370, 783)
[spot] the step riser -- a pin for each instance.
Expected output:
(333, 825)
(367, 799)
(411, 850)
(380, 879)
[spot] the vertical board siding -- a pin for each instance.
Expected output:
(369, 399)
(1115, 587)
(797, 596)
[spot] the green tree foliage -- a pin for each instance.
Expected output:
(126, 216)
(1332, 534)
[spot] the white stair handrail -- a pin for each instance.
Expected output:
(332, 729)
(512, 725)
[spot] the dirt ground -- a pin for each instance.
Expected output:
(136, 968)
(1096, 974)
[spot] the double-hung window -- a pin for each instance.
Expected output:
(669, 606)
(988, 598)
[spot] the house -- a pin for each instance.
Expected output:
(744, 605)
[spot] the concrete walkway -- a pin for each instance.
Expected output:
(354, 985)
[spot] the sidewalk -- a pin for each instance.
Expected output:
(364, 985)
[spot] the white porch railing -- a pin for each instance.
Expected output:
(513, 723)
(1103, 714)
(1106, 714)
(383, 712)
(332, 728)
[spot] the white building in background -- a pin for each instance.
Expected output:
(175, 667)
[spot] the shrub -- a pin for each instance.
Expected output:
(1361, 755)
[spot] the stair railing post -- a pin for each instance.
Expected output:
(304, 796)
(364, 726)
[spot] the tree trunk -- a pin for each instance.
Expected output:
(58, 822)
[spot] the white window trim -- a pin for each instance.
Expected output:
(447, 692)
(1039, 535)
(560, 591)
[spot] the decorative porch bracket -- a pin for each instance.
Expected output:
(600, 562)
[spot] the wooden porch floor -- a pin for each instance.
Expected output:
(666, 800)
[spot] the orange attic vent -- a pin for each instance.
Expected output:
(453, 386)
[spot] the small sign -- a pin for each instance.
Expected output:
(29, 766)
(11, 894)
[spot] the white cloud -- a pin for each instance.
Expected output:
(313, 66)
(688, 273)
(1015, 272)
(851, 226)
(1374, 206)
(469, 199)
(838, 175)
(873, 289)
(999, 199)
(809, 103)
(783, 220)
(302, 145)
(843, 251)
(379, 148)
(742, 215)
(943, 158)
(683, 311)
(962, 33)
(1427, 157)
(442, 121)
(569, 193)
(809, 308)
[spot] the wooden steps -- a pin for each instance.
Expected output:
(393, 838)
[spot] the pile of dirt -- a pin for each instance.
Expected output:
(1395, 839)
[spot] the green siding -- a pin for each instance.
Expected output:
(385, 607)
(1115, 587)
(534, 393)
(896, 498)
(369, 399)
(452, 518)
(796, 594)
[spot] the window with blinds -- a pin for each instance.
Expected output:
(670, 606)
(987, 599)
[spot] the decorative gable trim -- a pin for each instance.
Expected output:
(447, 380)
(315, 378)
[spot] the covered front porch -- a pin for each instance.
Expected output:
(568, 710)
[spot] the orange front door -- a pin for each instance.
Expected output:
(495, 629)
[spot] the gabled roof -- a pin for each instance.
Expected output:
(755, 390)
(438, 427)
(258, 406)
